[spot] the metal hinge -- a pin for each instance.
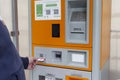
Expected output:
(14, 33)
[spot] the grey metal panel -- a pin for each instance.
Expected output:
(15, 24)
(30, 35)
(59, 72)
(96, 39)
(105, 73)
(66, 56)
(67, 31)
(30, 26)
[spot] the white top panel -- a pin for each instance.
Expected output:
(48, 10)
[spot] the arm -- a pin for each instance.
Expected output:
(25, 61)
(29, 62)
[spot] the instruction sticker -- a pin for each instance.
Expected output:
(48, 10)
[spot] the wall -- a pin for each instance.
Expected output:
(6, 13)
(115, 41)
(23, 28)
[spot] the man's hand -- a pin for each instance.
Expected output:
(32, 63)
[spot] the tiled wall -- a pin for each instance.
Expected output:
(24, 31)
(6, 13)
(115, 41)
(115, 56)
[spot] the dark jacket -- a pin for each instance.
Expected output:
(11, 65)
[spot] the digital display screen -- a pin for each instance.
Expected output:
(78, 58)
(78, 16)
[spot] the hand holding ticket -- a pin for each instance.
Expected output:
(41, 59)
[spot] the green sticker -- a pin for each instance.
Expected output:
(51, 5)
(39, 10)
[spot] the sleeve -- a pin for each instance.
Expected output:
(25, 61)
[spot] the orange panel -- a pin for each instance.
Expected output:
(68, 67)
(75, 78)
(105, 31)
(42, 30)
(42, 35)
